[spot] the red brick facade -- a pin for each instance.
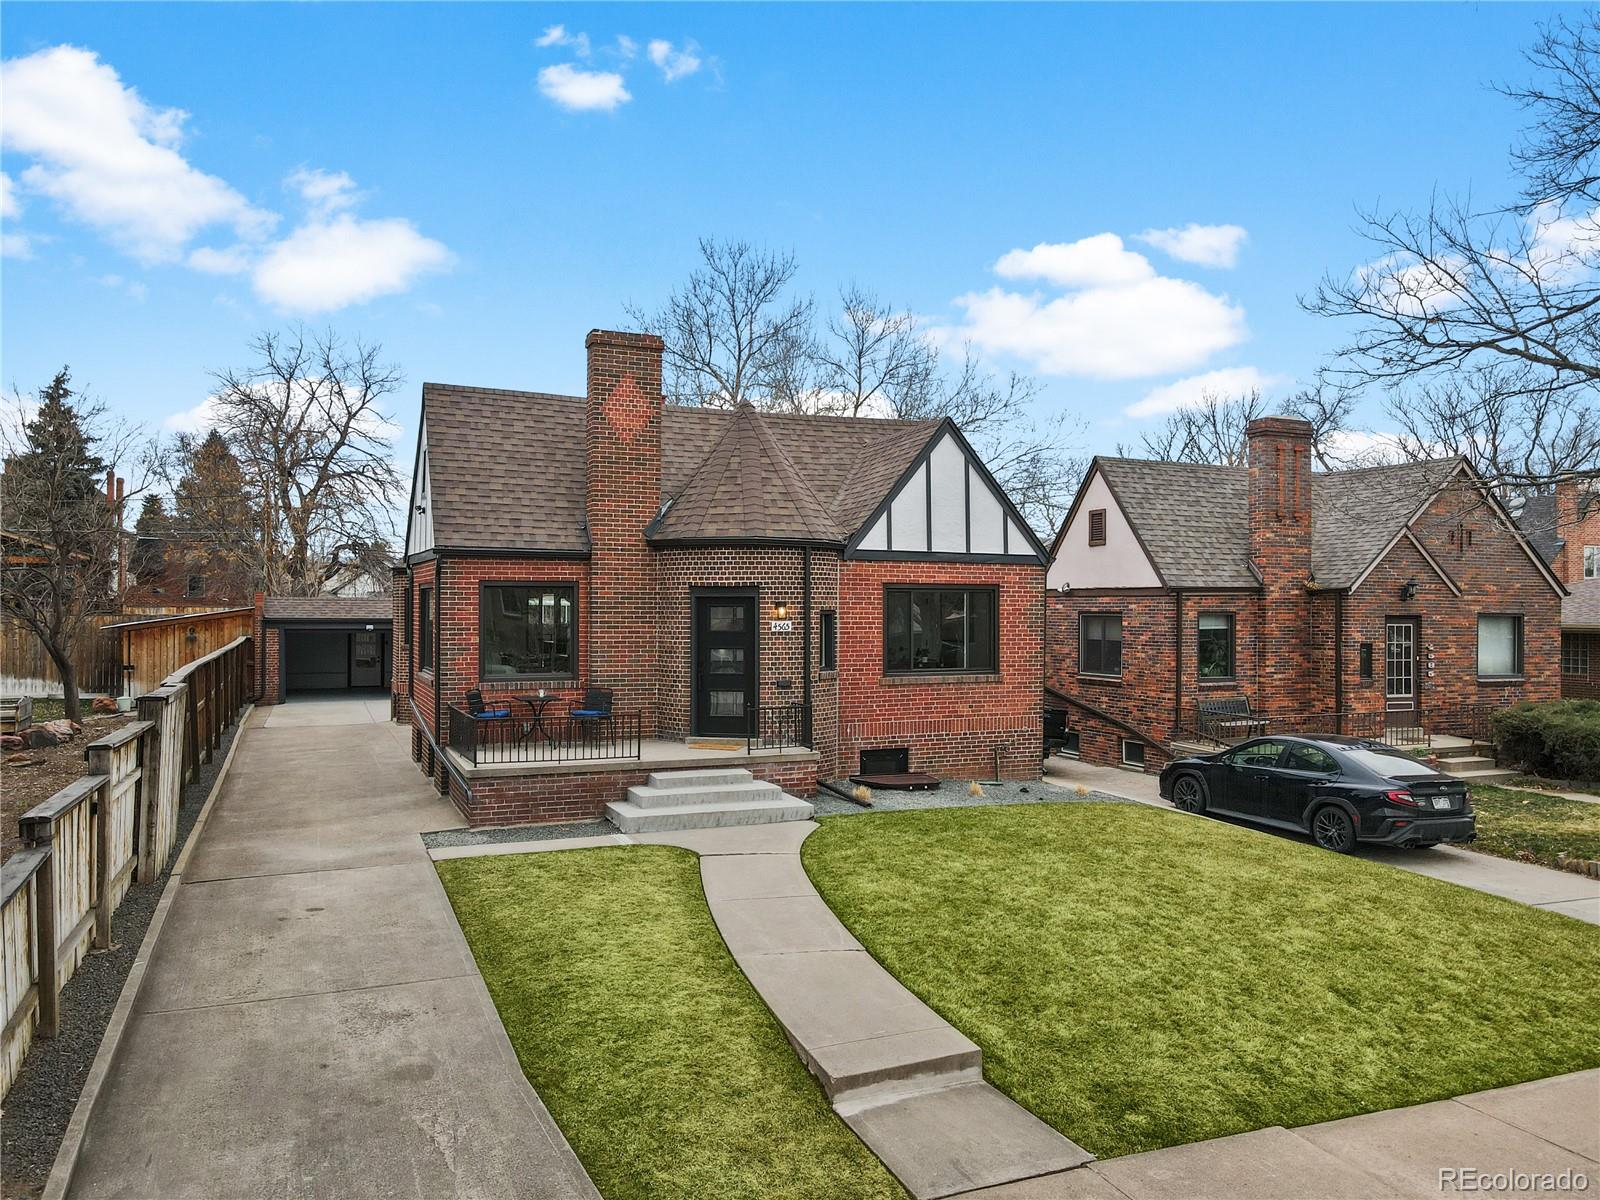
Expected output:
(1298, 648)
(634, 613)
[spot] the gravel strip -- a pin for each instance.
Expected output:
(40, 1103)
(517, 833)
(954, 795)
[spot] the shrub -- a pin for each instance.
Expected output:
(1560, 739)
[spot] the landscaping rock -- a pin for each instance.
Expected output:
(104, 704)
(40, 737)
(11, 741)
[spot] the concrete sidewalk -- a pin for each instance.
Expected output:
(1528, 883)
(311, 1023)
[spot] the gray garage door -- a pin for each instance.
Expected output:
(316, 659)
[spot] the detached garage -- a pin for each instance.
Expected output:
(325, 644)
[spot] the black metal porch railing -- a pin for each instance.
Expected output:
(1469, 721)
(778, 726)
(548, 739)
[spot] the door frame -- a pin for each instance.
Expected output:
(697, 595)
(1408, 718)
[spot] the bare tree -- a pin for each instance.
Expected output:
(62, 533)
(873, 361)
(1212, 430)
(307, 428)
(1461, 309)
(732, 333)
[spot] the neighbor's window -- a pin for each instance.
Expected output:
(940, 629)
(828, 652)
(1100, 643)
(1366, 660)
(425, 629)
(1574, 654)
(1499, 644)
(1132, 752)
(1215, 653)
(1591, 562)
(528, 631)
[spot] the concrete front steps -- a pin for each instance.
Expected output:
(704, 799)
(1466, 764)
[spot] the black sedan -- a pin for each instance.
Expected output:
(1340, 790)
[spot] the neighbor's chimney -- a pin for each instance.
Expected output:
(622, 450)
(1569, 560)
(1280, 548)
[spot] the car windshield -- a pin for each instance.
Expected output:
(1388, 764)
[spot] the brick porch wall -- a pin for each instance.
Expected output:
(951, 724)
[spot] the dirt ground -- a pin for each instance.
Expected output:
(29, 776)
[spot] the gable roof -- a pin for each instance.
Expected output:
(1355, 515)
(1537, 518)
(507, 471)
(327, 608)
(746, 487)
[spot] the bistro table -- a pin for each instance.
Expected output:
(536, 706)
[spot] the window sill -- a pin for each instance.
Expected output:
(1231, 681)
(828, 673)
(912, 678)
(425, 673)
(1085, 677)
(1501, 680)
(493, 681)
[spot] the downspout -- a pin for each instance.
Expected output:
(438, 650)
(1177, 682)
(805, 643)
(1338, 662)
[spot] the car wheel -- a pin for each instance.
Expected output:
(1332, 829)
(1189, 794)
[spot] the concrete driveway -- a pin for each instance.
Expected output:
(311, 1022)
(1541, 887)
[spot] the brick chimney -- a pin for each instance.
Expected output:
(622, 448)
(1569, 562)
(1280, 548)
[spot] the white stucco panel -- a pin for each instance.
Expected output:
(421, 516)
(949, 467)
(908, 514)
(1121, 562)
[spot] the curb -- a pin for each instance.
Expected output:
(72, 1142)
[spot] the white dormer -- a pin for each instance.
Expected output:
(419, 519)
(1097, 547)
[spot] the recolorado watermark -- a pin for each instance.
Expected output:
(1473, 1179)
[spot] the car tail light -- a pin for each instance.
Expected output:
(1405, 798)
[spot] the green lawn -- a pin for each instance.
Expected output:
(663, 1068)
(1590, 786)
(1140, 978)
(1513, 824)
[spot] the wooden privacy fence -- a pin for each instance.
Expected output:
(152, 648)
(89, 842)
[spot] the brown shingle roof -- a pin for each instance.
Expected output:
(1355, 514)
(1581, 609)
(507, 470)
(327, 608)
(746, 487)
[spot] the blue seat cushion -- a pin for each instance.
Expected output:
(488, 713)
(589, 712)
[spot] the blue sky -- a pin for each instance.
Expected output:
(431, 178)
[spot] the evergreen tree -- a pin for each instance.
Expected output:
(152, 536)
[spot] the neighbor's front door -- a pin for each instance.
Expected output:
(1401, 690)
(724, 664)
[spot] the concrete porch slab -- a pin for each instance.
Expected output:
(1267, 1164)
(1564, 1110)
(1405, 1148)
(956, 1139)
(288, 935)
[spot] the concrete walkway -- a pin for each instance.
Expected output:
(311, 1023)
(1542, 887)
(908, 1083)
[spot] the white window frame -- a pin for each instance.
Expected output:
(1591, 562)
(1575, 655)
(1131, 762)
(1517, 665)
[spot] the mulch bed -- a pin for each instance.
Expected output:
(29, 777)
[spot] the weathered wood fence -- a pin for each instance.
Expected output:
(86, 845)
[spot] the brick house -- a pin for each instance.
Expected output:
(810, 595)
(1391, 597)
(1564, 525)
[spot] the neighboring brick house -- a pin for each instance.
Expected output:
(1357, 600)
(1564, 525)
(864, 582)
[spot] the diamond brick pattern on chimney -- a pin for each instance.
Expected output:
(1280, 548)
(622, 452)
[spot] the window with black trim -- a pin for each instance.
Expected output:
(1574, 654)
(425, 629)
(1499, 645)
(1214, 649)
(528, 631)
(930, 629)
(1366, 660)
(405, 623)
(828, 651)
(1100, 643)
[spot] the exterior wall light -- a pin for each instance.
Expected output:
(1408, 590)
(780, 609)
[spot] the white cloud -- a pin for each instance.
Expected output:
(1098, 261)
(118, 284)
(578, 90)
(675, 63)
(626, 46)
(1207, 245)
(15, 245)
(10, 206)
(109, 159)
(1365, 448)
(231, 260)
(325, 192)
(331, 262)
(194, 420)
(557, 35)
(1223, 383)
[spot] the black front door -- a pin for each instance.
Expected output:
(724, 664)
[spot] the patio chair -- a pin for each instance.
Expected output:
(481, 711)
(596, 706)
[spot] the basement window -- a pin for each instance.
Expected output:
(1132, 753)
